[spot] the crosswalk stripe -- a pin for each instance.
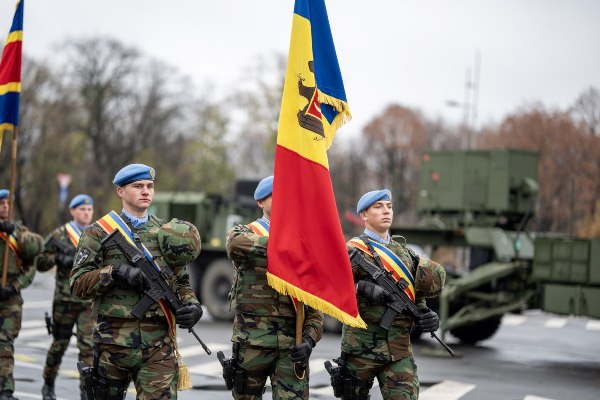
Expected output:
(33, 323)
(32, 332)
(536, 398)
(32, 396)
(555, 323)
(593, 325)
(446, 390)
(211, 368)
(37, 304)
(317, 365)
(194, 350)
(513, 320)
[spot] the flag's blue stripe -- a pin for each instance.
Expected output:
(327, 69)
(17, 24)
(9, 108)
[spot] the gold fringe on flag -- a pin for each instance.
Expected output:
(343, 115)
(315, 302)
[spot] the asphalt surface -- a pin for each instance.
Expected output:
(534, 356)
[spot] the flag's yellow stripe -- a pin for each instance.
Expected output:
(10, 87)
(299, 140)
(16, 36)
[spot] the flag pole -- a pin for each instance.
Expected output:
(299, 328)
(11, 194)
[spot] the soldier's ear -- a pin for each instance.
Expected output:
(120, 191)
(363, 215)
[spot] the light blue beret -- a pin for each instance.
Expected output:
(264, 188)
(369, 198)
(81, 199)
(132, 173)
(4, 194)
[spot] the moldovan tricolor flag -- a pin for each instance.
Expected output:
(307, 252)
(10, 74)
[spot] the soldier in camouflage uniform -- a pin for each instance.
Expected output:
(265, 321)
(24, 247)
(374, 352)
(126, 348)
(66, 310)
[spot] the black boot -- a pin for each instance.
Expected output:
(7, 396)
(47, 392)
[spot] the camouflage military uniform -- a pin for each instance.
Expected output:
(128, 348)
(66, 311)
(264, 324)
(21, 271)
(387, 355)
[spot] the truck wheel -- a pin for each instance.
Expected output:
(477, 331)
(215, 287)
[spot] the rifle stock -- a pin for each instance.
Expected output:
(59, 246)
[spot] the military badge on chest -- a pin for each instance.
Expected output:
(81, 256)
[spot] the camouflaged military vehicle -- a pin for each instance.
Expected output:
(474, 208)
(211, 274)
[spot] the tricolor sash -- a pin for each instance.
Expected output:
(391, 263)
(112, 221)
(261, 228)
(13, 244)
(73, 232)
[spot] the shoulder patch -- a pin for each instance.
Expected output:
(82, 255)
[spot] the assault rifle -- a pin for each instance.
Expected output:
(400, 302)
(159, 290)
(60, 247)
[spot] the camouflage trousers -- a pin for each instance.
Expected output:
(277, 365)
(397, 379)
(154, 370)
(11, 312)
(65, 314)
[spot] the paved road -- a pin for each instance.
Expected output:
(534, 356)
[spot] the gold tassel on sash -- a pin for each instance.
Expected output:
(184, 382)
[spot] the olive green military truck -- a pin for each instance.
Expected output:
(475, 207)
(211, 274)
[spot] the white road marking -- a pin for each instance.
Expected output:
(536, 398)
(555, 323)
(211, 368)
(195, 350)
(446, 390)
(513, 320)
(593, 325)
(37, 304)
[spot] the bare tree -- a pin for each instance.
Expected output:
(395, 140)
(129, 106)
(587, 110)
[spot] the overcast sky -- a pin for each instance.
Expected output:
(415, 52)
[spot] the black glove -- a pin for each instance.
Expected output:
(429, 321)
(132, 277)
(301, 352)
(8, 291)
(373, 292)
(64, 260)
(186, 317)
(7, 227)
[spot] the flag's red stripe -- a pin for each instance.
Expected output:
(305, 226)
(10, 67)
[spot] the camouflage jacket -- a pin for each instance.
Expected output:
(112, 303)
(263, 316)
(375, 342)
(21, 268)
(45, 262)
